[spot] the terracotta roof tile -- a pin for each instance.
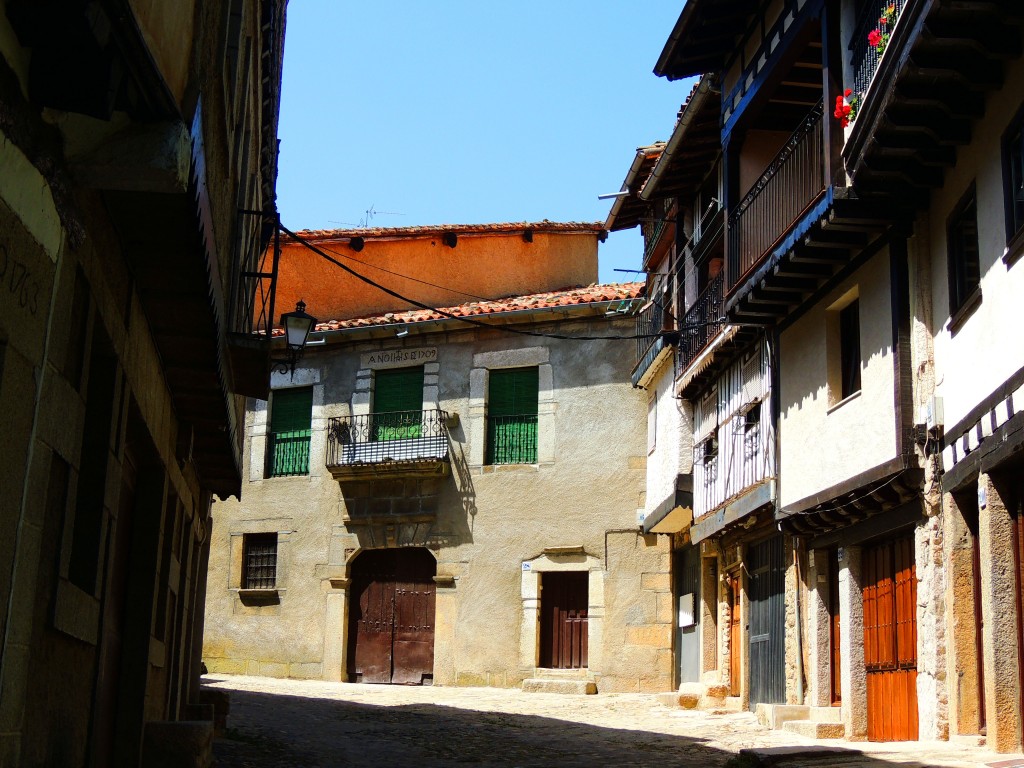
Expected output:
(459, 229)
(564, 298)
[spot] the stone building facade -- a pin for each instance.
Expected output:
(129, 138)
(466, 509)
(875, 257)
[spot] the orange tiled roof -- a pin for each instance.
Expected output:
(553, 299)
(459, 229)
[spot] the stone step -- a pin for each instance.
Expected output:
(545, 673)
(775, 715)
(556, 685)
(815, 729)
(826, 714)
(730, 706)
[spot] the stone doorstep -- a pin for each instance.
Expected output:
(1016, 762)
(815, 729)
(775, 715)
(826, 714)
(545, 673)
(555, 685)
(704, 696)
(730, 706)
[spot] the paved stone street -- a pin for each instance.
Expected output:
(277, 723)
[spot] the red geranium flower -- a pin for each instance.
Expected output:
(874, 38)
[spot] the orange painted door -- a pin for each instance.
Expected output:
(890, 639)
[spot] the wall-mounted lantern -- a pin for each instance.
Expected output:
(297, 326)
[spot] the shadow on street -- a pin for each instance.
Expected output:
(278, 731)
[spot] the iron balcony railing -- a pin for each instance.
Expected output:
(650, 322)
(876, 23)
(701, 323)
(512, 439)
(398, 436)
(289, 453)
(788, 186)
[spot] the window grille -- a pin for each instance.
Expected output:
(259, 561)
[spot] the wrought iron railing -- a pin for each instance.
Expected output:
(650, 322)
(701, 324)
(289, 453)
(870, 29)
(789, 184)
(512, 439)
(398, 436)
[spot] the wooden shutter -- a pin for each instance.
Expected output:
(398, 389)
(513, 392)
(291, 414)
(512, 416)
(397, 403)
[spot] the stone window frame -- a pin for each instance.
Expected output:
(362, 395)
(259, 427)
(479, 380)
(283, 527)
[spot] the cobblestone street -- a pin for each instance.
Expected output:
(290, 723)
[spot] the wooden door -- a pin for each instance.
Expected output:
(391, 621)
(734, 634)
(890, 639)
(835, 658)
(767, 564)
(563, 619)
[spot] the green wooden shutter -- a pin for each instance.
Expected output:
(512, 416)
(397, 403)
(291, 415)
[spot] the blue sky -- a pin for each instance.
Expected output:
(460, 112)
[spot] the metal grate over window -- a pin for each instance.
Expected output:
(259, 561)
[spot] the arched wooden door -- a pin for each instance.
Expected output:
(391, 618)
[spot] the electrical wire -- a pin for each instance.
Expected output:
(468, 320)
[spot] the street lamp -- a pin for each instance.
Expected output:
(297, 326)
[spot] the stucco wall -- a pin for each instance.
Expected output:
(477, 266)
(823, 442)
(987, 348)
(672, 452)
(490, 521)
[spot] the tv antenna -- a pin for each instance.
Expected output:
(370, 213)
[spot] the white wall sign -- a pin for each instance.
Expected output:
(686, 610)
(396, 358)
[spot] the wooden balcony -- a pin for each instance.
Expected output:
(919, 98)
(794, 231)
(399, 444)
